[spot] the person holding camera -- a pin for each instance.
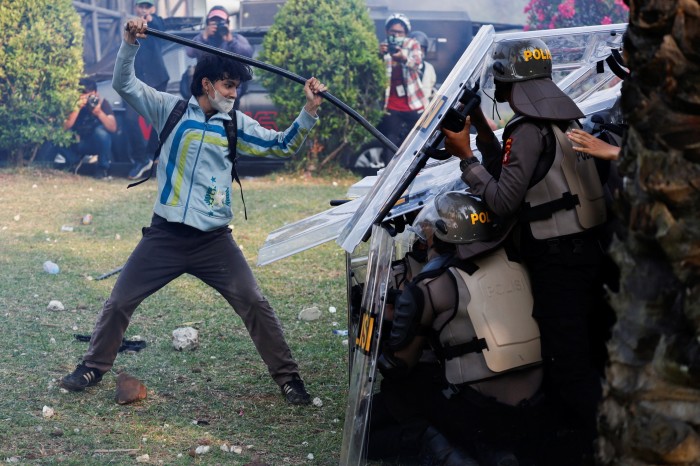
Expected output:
(93, 121)
(404, 97)
(150, 68)
(217, 34)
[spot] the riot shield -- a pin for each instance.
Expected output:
(578, 71)
(365, 347)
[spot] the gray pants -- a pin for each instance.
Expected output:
(168, 250)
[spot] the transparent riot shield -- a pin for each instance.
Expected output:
(578, 71)
(356, 278)
(365, 346)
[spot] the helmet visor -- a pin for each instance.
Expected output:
(424, 224)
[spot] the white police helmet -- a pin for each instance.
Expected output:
(400, 17)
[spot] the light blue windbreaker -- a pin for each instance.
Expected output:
(194, 170)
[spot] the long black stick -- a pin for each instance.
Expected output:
(274, 69)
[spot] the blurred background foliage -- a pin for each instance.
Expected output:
(41, 45)
(335, 41)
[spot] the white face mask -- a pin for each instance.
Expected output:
(219, 102)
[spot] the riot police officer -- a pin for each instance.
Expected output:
(556, 197)
(474, 315)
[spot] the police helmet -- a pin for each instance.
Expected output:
(421, 38)
(456, 217)
(401, 18)
(527, 64)
(521, 60)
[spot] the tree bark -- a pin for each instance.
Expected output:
(651, 409)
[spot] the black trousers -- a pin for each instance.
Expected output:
(168, 250)
(396, 126)
(406, 406)
(564, 273)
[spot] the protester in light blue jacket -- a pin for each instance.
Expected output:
(189, 230)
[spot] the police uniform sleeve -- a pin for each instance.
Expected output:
(521, 151)
(490, 155)
(408, 333)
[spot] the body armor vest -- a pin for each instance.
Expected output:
(491, 331)
(569, 199)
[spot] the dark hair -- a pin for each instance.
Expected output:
(217, 68)
(88, 85)
(397, 21)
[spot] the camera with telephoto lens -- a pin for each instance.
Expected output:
(93, 101)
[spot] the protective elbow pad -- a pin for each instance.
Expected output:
(407, 315)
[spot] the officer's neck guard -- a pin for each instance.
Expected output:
(541, 98)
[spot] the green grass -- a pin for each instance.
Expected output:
(223, 384)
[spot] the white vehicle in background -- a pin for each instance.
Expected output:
(369, 227)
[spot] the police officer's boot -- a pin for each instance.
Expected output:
(437, 451)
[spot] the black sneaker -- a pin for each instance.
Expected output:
(295, 393)
(81, 378)
(140, 170)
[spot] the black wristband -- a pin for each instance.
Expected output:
(464, 163)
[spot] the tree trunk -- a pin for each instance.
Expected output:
(651, 410)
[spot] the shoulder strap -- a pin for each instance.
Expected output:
(174, 117)
(231, 127)
(440, 264)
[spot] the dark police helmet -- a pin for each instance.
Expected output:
(456, 217)
(521, 60)
(421, 38)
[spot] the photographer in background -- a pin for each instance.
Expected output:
(217, 33)
(404, 100)
(93, 121)
(150, 68)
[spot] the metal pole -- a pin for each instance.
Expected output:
(96, 35)
(274, 69)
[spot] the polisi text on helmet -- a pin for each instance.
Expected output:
(536, 54)
(480, 217)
